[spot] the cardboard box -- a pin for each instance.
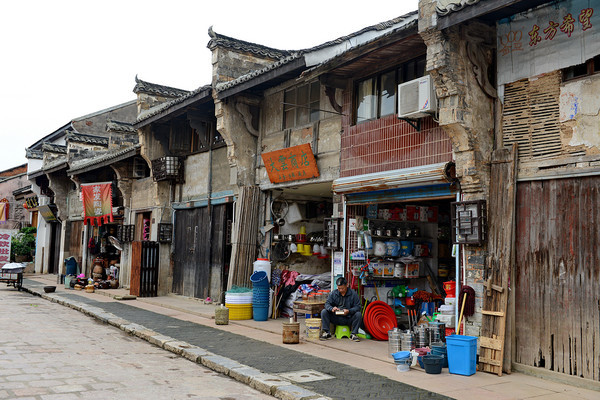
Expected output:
(412, 213)
(412, 270)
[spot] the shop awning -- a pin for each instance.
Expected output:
(425, 175)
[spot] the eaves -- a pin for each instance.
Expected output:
(174, 106)
(104, 160)
(267, 79)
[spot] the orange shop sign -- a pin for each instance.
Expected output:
(291, 164)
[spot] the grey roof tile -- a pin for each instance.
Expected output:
(236, 44)
(117, 126)
(88, 139)
(219, 87)
(55, 148)
(293, 55)
(34, 154)
(445, 7)
(116, 155)
(161, 90)
(164, 106)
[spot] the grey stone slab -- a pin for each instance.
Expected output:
(220, 364)
(244, 374)
(293, 392)
(194, 354)
(177, 347)
(160, 340)
(267, 383)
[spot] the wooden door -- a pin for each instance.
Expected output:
(557, 276)
(191, 271)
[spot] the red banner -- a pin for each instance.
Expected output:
(97, 203)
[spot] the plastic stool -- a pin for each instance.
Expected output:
(341, 331)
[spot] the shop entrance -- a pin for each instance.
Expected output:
(54, 257)
(395, 248)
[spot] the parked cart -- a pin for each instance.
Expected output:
(12, 274)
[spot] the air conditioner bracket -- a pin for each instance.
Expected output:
(415, 123)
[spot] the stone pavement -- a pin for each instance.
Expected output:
(49, 352)
(253, 352)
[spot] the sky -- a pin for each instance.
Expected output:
(61, 59)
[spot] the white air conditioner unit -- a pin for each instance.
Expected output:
(416, 98)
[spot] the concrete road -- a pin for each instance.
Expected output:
(48, 351)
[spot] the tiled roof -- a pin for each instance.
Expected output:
(34, 154)
(55, 148)
(144, 115)
(161, 90)
(22, 190)
(117, 126)
(102, 160)
(89, 139)
(445, 7)
(219, 87)
(55, 165)
(377, 27)
(236, 44)
(293, 55)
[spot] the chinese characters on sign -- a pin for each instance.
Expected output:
(546, 39)
(291, 164)
(512, 40)
(97, 202)
(5, 241)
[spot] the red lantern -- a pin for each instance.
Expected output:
(25, 206)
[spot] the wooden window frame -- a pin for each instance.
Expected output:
(312, 105)
(591, 67)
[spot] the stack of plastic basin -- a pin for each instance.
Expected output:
(239, 305)
(439, 349)
(260, 295)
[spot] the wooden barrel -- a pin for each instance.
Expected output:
(291, 332)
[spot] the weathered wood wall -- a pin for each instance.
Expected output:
(557, 276)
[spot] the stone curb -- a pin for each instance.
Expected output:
(269, 384)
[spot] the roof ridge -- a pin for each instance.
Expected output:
(377, 27)
(238, 44)
(154, 88)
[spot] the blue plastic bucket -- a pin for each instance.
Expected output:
(259, 279)
(260, 313)
(462, 354)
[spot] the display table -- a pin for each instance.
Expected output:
(304, 307)
(12, 274)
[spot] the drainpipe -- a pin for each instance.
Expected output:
(209, 190)
(84, 254)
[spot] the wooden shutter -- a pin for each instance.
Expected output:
(530, 117)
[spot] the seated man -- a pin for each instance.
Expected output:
(342, 308)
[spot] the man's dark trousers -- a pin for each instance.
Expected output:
(328, 317)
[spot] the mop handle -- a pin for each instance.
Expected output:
(462, 309)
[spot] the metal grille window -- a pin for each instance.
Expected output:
(301, 105)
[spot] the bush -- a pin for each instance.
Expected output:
(23, 243)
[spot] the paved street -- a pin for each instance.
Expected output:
(48, 351)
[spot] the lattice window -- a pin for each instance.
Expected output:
(530, 117)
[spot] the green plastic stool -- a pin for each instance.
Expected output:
(341, 331)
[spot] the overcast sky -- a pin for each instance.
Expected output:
(65, 59)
